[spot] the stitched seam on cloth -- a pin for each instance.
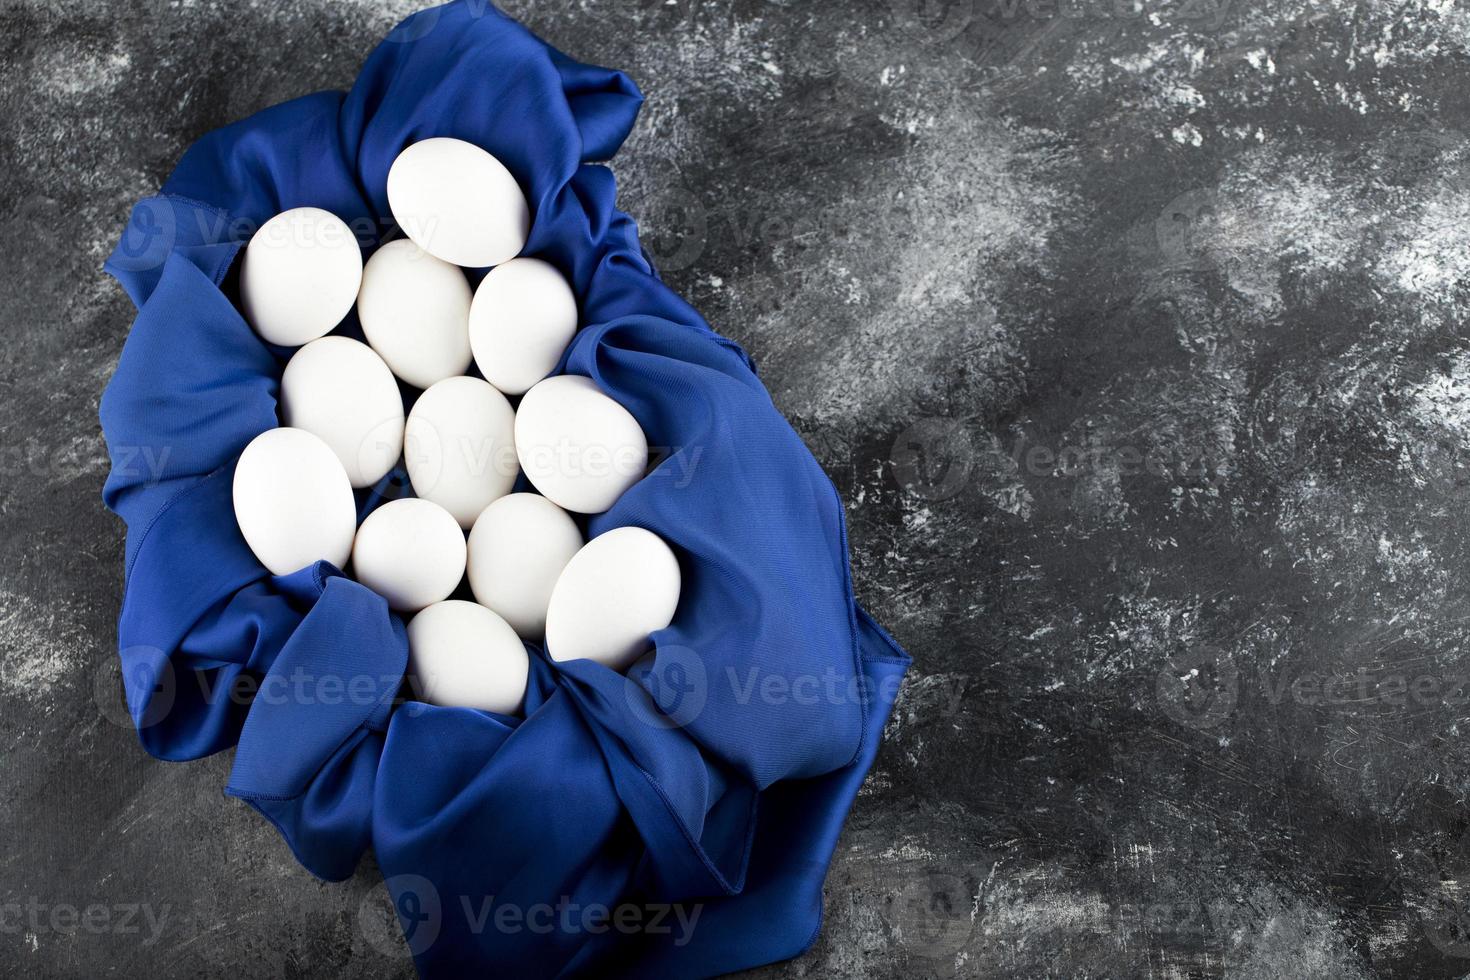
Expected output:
(195, 202)
(709, 866)
(817, 931)
(164, 509)
(239, 793)
(219, 212)
(852, 627)
(361, 730)
(901, 655)
(216, 279)
(224, 269)
(738, 350)
(229, 217)
(249, 801)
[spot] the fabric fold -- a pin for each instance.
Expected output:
(332, 686)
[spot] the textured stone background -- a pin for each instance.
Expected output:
(1130, 331)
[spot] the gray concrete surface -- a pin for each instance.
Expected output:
(1133, 333)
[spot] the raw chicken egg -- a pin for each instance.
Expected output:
(459, 447)
(522, 318)
(299, 276)
(517, 550)
(339, 390)
(411, 552)
(580, 448)
(415, 312)
(457, 202)
(465, 656)
(620, 588)
(293, 501)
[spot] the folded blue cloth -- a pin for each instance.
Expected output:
(711, 787)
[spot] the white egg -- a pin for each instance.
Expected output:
(578, 446)
(340, 391)
(622, 586)
(465, 656)
(415, 312)
(458, 202)
(517, 550)
(293, 502)
(411, 552)
(459, 446)
(522, 318)
(299, 276)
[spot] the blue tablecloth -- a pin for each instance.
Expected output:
(712, 787)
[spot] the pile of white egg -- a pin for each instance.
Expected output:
(462, 443)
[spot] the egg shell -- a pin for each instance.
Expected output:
(299, 276)
(517, 549)
(340, 391)
(580, 448)
(522, 318)
(459, 447)
(457, 202)
(411, 552)
(465, 656)
(293, 501)
(621, 587)
(415, 312)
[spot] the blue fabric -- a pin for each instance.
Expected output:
(718, 779)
